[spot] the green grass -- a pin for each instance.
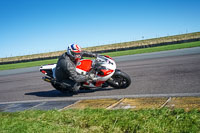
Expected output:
(27, 64)
(112, 54)
(155, 49)
(101, 121)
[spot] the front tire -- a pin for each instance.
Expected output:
(119, 80)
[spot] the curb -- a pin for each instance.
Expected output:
(186, 103)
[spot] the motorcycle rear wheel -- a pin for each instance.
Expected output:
(119, 80)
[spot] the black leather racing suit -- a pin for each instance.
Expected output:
(66, 73)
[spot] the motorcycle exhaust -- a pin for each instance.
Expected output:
(47, 79)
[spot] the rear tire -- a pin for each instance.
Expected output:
(119, 80)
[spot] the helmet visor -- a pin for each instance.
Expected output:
(76, 55)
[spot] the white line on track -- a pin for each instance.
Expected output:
(105, 97)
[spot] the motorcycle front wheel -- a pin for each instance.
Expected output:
(119, 80)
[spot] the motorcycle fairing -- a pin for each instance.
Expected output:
(84, 66)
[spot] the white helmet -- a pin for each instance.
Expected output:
(74, 51)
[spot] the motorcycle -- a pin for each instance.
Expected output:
(103, 69)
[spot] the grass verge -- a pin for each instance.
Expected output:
(112, 54)
(155, 49)
(101, 120)
(27, 64)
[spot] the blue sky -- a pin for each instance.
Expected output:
(38, 26)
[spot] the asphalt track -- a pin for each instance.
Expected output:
(168, 73)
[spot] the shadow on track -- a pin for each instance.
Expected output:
(51, 93)
(55, 93)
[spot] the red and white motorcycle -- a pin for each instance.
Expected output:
(103, 69)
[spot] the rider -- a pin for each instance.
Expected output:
(65, 72)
